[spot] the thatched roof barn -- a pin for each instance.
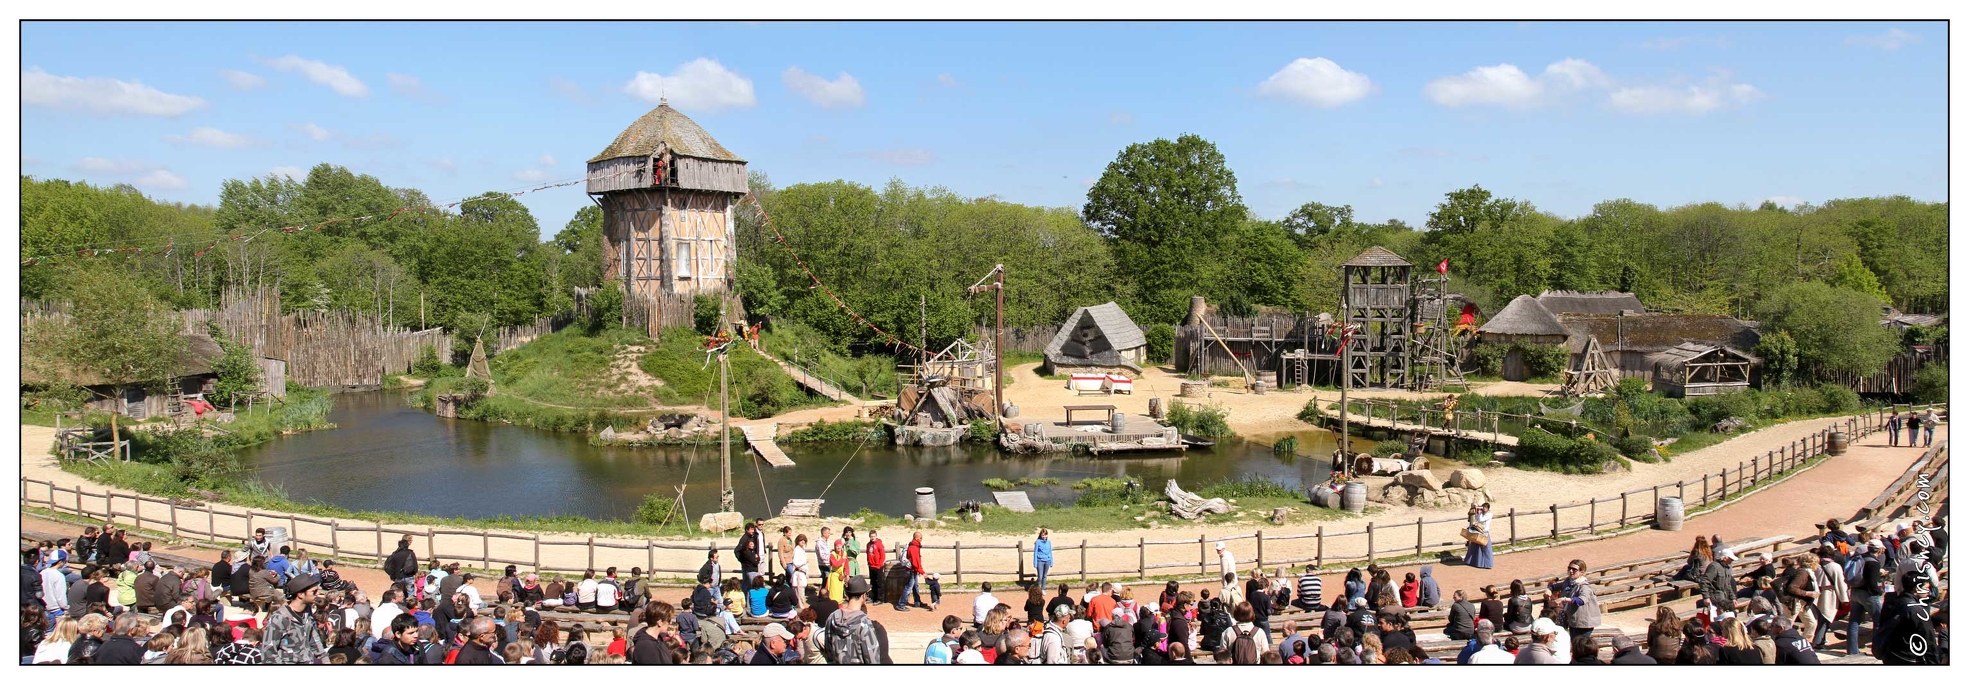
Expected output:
(193, 375)
(1589, 303)
(1692, 369)
(1098, 337)
(667, 191)
(1524, 320)
(1631, 339)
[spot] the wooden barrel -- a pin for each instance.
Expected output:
(1835, 444)
(1668, 514)
(926, 503)
(1118, 422)
(1259, 387)
(1269, 378)
(1354, 497)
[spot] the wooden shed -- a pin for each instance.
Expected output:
(1694, 369)
(1631, 340)
(1523, 321)
(668, 192)
(1097, 337)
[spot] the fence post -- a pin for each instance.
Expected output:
(1202, 556)
(591, 551)
(958, 550)
(1083, 558)
(334, 539)
(1681, 490)
(1260, 560)
(1623, 510)
(1370, 541)
(211, 525)
(1019, 548)
(485, 551)
(1514, 525)
(1726, 491)
(1141, 558)
(1592, 516)
(430, 543)
(536, 556)
(1705, 489)
(1319, 547)
(1555, 521)
(174, 518)
(1418, 537)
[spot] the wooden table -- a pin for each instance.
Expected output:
(1107, 411)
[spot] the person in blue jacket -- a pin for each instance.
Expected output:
(1042, 556)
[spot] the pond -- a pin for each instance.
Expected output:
(389, 456)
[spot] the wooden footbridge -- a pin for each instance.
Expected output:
(760, 439)
(807, 379)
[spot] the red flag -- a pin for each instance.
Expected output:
(1443, 268)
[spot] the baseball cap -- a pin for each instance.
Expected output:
(1544, 626)
(778, 631)
(1220, 544)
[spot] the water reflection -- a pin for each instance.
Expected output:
(388, 456)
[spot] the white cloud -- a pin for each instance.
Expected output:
(1893, 39)
(161, 179)
(412, 87)
(843, 91)
(112, 167)
(1505, 85)
(333, 76)
(242, 80)
(532, 175)
(947, 80)
(1718, 91)
(445, 165)
(903, 156)
(314, 131)
(293, 172)
(206, 136)
(548, 160)
(1318, 82)
(700, 84)
(1375, 182)
(1121, 118)
(102, 95)
(1785, 201)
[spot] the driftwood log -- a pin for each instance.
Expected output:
(1190, 506)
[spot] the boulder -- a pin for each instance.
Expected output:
(1418, 464)
(1280, 514)
(1420, 479)
(1468, 479)
(722, 521)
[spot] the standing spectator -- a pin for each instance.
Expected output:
(1894, 430)
(1913, 427)
(913, 557)
(402, 563)
(1042, 557)
(785, 548)
(1581, 607)
(878, 562)
(293, 634)
(748, 551)
(857, 567)
(1226, 561)
(823, 551)
(850, 633)
(1928, 423)
(54, 589)
(1830, 580)
(799, 568)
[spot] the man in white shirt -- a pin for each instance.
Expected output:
(584, 594)
(982, 605)
(823, 549)
(379, 620)
(608, 592)
(1490, 653)
(54, 588)
(1225, 560)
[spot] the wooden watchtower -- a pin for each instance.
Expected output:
(1374, 298)
(668, 192)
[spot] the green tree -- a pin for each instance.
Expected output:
(118, 334)
(1853, 275)
(238, 372)
(1780, 355)
(1838, 331)
(581, 241)
(1314, 220)
(1169, 207)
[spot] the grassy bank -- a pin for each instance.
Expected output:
(1106, 504)
(866, 376)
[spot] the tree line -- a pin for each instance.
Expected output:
(1163, 222)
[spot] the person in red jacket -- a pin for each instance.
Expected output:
(914, 555)
(877, 559)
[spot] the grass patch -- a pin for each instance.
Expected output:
(759, 388)
(837, 431)
(865, 376)
(1004, 484)
(1203, 420)
(572, 370)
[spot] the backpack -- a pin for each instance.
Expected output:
(841, 647)
(418, 586)
(1855, 565)
(1215, 622)
(1245, 649)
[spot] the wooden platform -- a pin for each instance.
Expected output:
(1383, 422)
(802, 508)
(760, 438)
(1015, 501)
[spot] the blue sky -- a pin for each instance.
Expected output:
(1383, 116)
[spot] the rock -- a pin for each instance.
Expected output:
(672, 433)
(1238, 515)
(1154, 525)
(1420, 479)
(608, 433)
(1419, 464)
(1468, 479)
(1141, 518)
(1494, 465)
(722, 521)
(977, 517)
(1611, 467)
(908, 519)
(1124, 507)
(1280, 514)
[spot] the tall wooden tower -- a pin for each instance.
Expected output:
(668, 192)
(1374, 298)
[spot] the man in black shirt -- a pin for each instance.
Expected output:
(1793, 648)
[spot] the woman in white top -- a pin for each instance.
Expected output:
(799, 570)
(1475, 555)
(53, 649)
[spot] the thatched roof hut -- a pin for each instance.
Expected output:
(194, 359)
(1377, 256)
(1652, 333)
(1589, 303)
(1101, 336)
(1524, 320)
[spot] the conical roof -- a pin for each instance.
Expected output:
(1524, 316)
(1378, 256)
(665, 126)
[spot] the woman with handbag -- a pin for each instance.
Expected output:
(1476, 546)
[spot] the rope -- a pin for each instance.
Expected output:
(844, 464)
(767, 220)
